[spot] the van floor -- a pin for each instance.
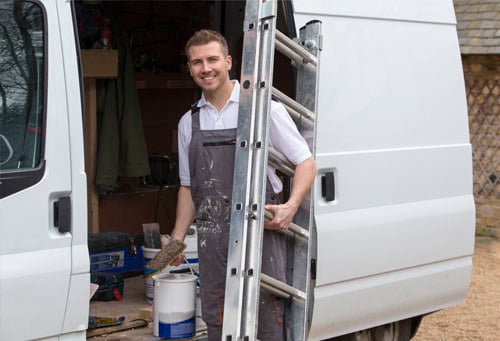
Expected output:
(130, 307)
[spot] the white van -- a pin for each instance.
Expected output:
(395, 244)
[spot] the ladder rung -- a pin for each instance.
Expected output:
(296, 229)
(280, 288)
(279, 161)
(293, 50)
(294, 108)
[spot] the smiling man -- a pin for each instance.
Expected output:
(207, 135)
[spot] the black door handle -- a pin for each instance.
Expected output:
(328, 186)
(62, 214)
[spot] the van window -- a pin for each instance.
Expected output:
(21, 85)
(22, 94)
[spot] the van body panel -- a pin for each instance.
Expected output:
(392, 126)
(77, 313)
(401, 10)
(80, 255)
(388, 297)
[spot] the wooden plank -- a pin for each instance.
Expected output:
(114, 329)
(146, 314)
(90, 122)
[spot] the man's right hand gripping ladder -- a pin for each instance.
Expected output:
(244, 278)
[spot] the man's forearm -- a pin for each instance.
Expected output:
(305, 172)
(185, 213)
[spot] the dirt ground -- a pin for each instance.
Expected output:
(479, 317)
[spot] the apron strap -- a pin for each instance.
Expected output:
(195, 117)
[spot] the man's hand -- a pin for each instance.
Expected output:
(282, 216)
(178, 260)
(302, 182)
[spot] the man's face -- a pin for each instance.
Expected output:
(209, 67)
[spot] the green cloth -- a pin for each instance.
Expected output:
(122, 145)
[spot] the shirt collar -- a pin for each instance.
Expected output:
(235, 95)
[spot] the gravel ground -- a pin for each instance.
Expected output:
(479, 317)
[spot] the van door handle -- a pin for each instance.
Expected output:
(328, 186)
(62, 214)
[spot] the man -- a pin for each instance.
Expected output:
(207, 136)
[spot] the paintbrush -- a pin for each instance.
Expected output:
(166, 255)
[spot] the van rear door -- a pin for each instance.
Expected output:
(35, 174)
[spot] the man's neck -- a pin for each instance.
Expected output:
(219, 98)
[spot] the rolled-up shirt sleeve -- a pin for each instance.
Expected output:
(284, 136)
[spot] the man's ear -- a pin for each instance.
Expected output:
(229, 61)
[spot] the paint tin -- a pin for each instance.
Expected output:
(174, 306)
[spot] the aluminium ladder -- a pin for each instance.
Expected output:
(244, 279)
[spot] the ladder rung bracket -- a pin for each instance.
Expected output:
(295, 109)
(293, 50)
(268, 281)
(268, 10)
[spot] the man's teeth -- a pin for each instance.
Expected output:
(208, 77)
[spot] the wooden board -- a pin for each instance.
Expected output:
(100, 63)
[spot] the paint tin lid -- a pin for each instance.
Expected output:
(176, 277)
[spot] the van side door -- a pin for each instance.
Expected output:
(35, 173)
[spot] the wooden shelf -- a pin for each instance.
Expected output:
(166, 80)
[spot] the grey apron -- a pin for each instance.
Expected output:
(211, 165)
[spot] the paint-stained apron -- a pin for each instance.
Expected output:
(211, 163)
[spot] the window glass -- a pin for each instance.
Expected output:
(21, 84)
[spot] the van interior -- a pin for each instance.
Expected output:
(136, 88)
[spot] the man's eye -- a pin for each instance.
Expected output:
(196, 62)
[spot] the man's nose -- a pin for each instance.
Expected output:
(205, 66)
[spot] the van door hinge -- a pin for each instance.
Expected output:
(62, 214)
(313, 269)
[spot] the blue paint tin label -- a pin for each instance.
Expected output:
(178, 330)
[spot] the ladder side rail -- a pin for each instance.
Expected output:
(259, 171)
(246, 231)
(306, 94)
(233, 299)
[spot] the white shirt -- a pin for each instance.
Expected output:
(283, 133)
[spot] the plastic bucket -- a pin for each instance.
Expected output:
(174, 306)
(150, 274)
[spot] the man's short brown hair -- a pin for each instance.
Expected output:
(203, 37)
